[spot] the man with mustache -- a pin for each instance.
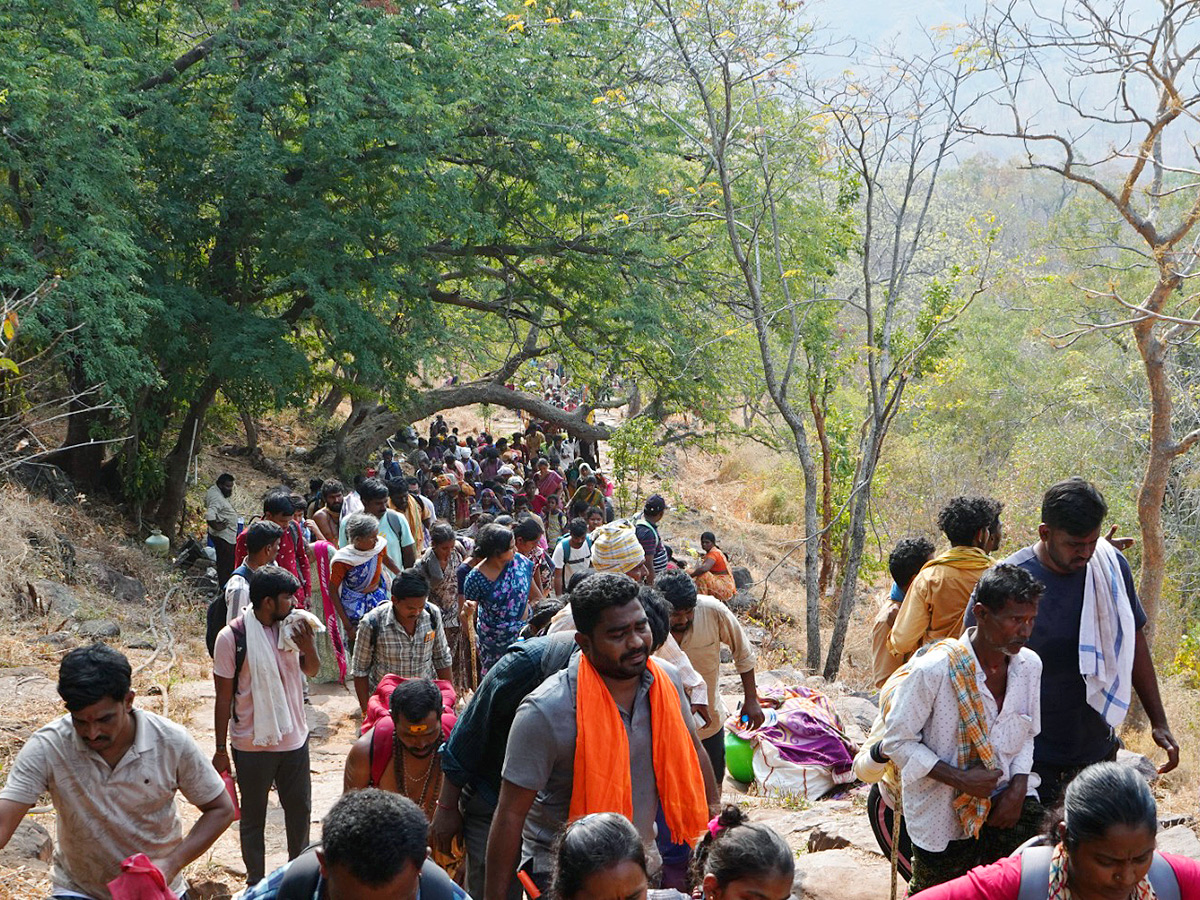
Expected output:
(113, 771)
(960, 729)
(612, 732)
(408, 762)
(329, 516)
(701, 625)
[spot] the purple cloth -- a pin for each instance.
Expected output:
(806, 731)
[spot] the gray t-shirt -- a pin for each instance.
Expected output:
(541, 756)
(105, 815)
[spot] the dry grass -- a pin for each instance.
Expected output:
(23, 883)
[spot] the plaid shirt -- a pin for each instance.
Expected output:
(392, 651)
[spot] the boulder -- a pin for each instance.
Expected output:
(726, 654)
(840, 833)
(845, 874)
(742, 578)
(56, 639)
(123, 587)
(756, 635)
(57, 599)
(1180, 840)
(29, 841)
(144, 642)
(742, 602)
(857, 715)
(27, 683)
(1139, 763)
(208, 888)
(99, 629)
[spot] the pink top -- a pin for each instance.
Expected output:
(1002, 881)
(241, 732)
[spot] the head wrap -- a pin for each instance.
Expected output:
(615, 548)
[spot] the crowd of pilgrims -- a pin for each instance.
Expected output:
(541, 713)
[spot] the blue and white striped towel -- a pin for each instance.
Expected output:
(1106, 636)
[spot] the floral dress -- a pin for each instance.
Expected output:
(502, 607)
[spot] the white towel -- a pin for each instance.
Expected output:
(287, 628)
(1106, 636)
(272, 718)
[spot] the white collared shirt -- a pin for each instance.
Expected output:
(921, 729)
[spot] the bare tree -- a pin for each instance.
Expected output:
(1123, 81)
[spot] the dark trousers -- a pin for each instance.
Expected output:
(257, 771)
(1056, 778)
(715, 748)
(224, 560)
(477, 822)
(959, 857)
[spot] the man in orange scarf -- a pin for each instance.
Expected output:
(613, 732)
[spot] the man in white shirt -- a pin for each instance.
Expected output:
(222, 521)
(970, 803)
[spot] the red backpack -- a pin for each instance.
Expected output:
(379, 717)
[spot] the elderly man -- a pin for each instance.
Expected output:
(113, 772)
(960, 729)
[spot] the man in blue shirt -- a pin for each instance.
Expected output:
(1074, 734)
(372, 845)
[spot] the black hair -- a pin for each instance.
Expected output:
(332, 486)
(409, 583)
(542, 614)
(374, 834)
(591, 844)
(416, 699)
(358, 480)
(90, 674)
(493, 540)
(1075, 506)
(1005, 582)
(278, 502)
(1101, 796)
(441, 533)
(397, 487)
(529, 529)
(600, 592)
(963, 517)
(678, 589)
(907, 558)
(579, 578)
(542, 461)
(577, 527)
(594, 509)
(262, 534)
(658, 612)
(709, 536)
(741, 850)
(271, 581)
(579, 509)
(373, 489)
(223, 477)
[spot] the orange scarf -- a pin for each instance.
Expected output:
(602, 780)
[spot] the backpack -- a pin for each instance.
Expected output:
(1035, 875)
(565, 543)
(216, 616)
(379, 718)
(303, 876)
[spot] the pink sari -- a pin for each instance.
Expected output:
(334, 651)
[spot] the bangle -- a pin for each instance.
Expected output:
(442, 805)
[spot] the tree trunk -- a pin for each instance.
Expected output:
(818, 411)
(1162, 453)
(251, 430)
(329, 405)
(80, 456)
(169, 514)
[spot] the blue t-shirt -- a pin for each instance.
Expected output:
(1073, 733)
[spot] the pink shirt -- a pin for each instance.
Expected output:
(1002, 881)
(241, 729)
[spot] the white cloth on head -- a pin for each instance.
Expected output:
(353, 557)
(1106, 636)
(289, 626)
(272, 718)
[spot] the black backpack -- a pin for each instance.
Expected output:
(218, 612)
(304, 874)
